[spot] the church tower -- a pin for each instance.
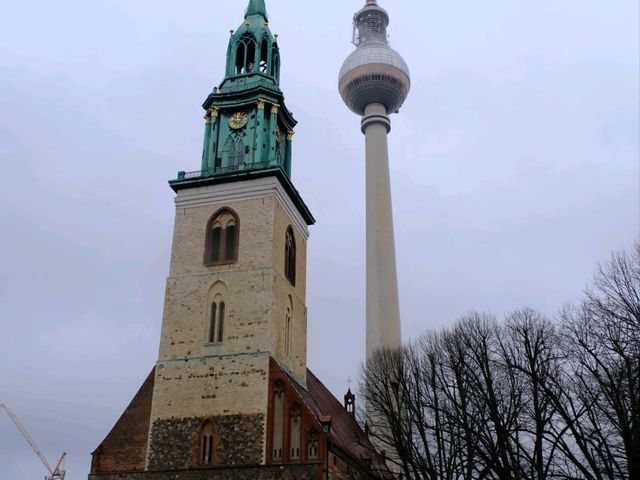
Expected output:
(230, 396)
(236, 291)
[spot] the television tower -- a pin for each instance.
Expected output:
(374, 82)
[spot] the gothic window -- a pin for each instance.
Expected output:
(264, 56)
(235, 150)
(278, 420)
(294, 432)
(246, 54)
(290, 256)
(216, 322)
(275, 62)
(221, 242)
(241, 53)
(313, 445)
(206, 444)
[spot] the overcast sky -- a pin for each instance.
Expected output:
(514, 169)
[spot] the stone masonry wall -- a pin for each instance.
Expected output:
(175, 444)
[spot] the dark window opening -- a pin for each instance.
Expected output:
(240, 56)
(230, 243)
(212, 323)
(222, 239)
(264, 56)
(221, 323)
(216, 235)
(275, 62)
(290, 256)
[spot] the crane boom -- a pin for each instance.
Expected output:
(28, 438)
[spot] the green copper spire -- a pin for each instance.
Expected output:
(256, 7)
(248, 128)
(248, 131)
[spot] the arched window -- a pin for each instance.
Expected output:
(246, 54)
(264, 56)
(241, 54)
(218, 312)
(278, 420)
(294, 432)
(290, 256)
(275, 62)
(235, 150)
(216, 323)
(206, 444)
(221, 242)
(312, 445)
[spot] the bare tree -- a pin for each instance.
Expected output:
(522, 399)
(602, 336)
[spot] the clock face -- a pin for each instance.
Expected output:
(238, 120)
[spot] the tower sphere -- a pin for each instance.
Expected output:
(374, 72)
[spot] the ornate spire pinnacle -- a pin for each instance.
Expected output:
(256, 7)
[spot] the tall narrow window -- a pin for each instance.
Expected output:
(230, 243)
(294, 433)
(240, 56)
(290, 256)
(278, 421)
(312, 445)
(206, 445)
(216, 329)
(264, 56)
(220, 325)
(216, 235)
(288, 333)
(212, 322)
(275, 62)
(221, 242)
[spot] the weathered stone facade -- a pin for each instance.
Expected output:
(199, 379)
(176, 443)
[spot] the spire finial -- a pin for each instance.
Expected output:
(256, 7)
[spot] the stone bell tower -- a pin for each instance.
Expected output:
(235, 295)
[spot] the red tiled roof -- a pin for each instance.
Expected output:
(346, 433)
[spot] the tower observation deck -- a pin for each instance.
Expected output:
(374, 83)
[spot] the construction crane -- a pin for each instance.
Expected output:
(54, 473)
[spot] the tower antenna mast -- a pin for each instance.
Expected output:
(55, 473)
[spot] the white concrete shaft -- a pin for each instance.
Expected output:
(383, 311)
